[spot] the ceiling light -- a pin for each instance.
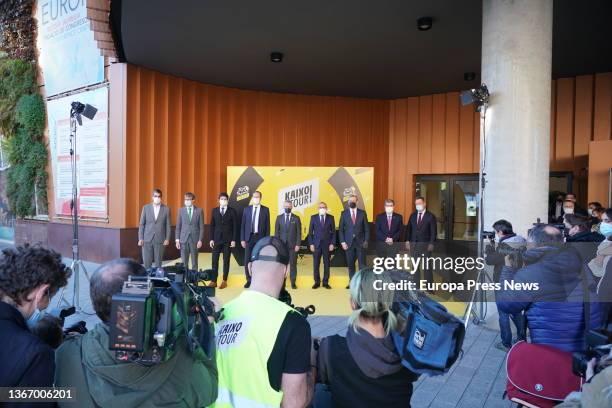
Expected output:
(424, 23)
(276, 56)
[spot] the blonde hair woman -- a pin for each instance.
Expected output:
(366, 358)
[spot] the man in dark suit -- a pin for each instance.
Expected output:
(389, 227)
(288, 228)
(224, 232)
(255, 225)
(321, 238)
(354, 231)
(421, 234)
(154, 230)
(189, 231)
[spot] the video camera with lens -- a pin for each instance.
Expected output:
(285, 297)
(154, 310)
(599, 344)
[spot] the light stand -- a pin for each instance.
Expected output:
(88, 111)
(480, 98)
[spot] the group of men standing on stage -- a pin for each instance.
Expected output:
(226, 228)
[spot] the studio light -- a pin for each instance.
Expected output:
(424, 23)
(276, 56)
(478, 96)
(78, 109)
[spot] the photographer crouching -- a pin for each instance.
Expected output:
(102, 379)
(555, 310)
(505, 237)
(29, 277)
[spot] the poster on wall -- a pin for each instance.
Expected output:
(91, 155)
(305, 187)
(68, 54)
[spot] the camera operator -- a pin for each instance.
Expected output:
(504, 234)
(86, 363)
(554, 311)
(263, 345)
(29, 277)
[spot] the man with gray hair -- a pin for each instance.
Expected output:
(101, 380)
(549, 289)
(288, 228)
(263, 345)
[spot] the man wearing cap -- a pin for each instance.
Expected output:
(263, 345)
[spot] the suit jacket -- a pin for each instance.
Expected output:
(224, 229)
(382, 227)
(426, 231)
(290, 233)
(321, 234)
(154, 230)
(190, 230)
(349, 232)
(263, 226)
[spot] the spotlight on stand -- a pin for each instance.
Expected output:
(78, 109)
(478, 96)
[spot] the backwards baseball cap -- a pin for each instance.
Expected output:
(282, 254)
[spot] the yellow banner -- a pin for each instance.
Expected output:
(305, 187)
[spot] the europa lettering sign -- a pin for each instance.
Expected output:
(68, 54)
(305, 187)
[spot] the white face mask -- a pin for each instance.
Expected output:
(497, 238)
(420, 207)
(389, 210)
(223, 202)
(156, 200)
(568, 210)
(322, 211)
(256, 200)
(188, 203)
(590, 211)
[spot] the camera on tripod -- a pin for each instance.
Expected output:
(154, 310)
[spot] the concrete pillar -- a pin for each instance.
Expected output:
(516, 67)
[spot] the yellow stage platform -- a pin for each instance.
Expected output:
(328, 302)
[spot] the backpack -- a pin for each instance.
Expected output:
(432, 338)
(539, 375)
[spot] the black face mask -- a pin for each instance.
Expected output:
(287, 210)
(352, 204)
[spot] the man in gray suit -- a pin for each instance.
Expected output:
(154, 230)
(189, 231)
(289, 229)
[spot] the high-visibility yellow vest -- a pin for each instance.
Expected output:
(245, 337)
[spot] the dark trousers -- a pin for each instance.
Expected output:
(247, 254)
(384, 250)
(504, 327)
(292, 261)
(418, 249)
(152, 253)
(321, 251)
(223, 247)
(355, 252)
(189, 249)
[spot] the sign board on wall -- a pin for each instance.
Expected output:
(69, 57)
(91, 155)
(305, 187)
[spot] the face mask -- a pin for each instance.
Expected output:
(590, 211)
(389, 210)
(420, 207)
(256, 201)
(187, 203)
(497, 238)
(606, 229)
(287, 210)
(156, 200)
(568, 210)
(352, 204)
(36, 316)
(322, 211)
(223, 203)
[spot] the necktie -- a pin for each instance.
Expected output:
(222, 211)
(286, 219)
(190, 214)
(322, 220)
(389, 222)
(419, 218)
(353, 217)
(253, 219)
